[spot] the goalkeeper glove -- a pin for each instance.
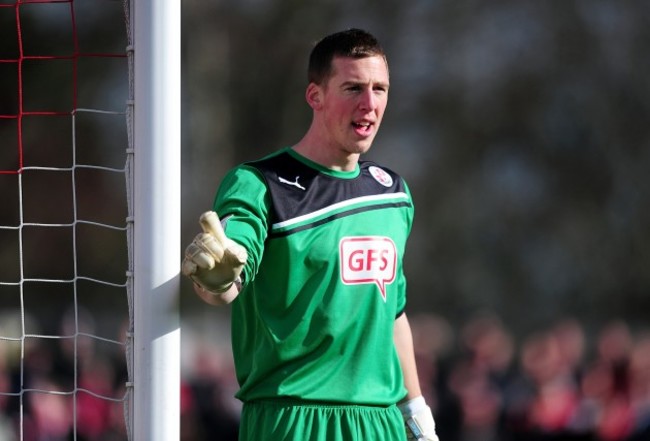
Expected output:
(418, 419)
(212, 260)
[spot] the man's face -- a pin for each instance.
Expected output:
(353, 102)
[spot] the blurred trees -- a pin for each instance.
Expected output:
(520, 127)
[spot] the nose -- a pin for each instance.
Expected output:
(368, 101)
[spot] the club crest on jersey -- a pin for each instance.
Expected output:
(368, 259)
(380, 176)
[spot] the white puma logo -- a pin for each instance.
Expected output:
(295, 184)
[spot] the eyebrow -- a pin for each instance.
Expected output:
(361, 83)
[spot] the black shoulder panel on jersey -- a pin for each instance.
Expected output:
(297, 189)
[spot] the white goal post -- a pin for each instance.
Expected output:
(155, 31)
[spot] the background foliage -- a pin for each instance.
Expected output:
(521, 128)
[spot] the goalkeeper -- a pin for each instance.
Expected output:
(308, 252)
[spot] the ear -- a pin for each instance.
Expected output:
(314, 96)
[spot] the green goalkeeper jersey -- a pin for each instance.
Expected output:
(323, 283)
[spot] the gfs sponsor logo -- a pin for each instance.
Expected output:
(368, 259)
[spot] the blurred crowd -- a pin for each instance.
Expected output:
(484, 383)
(554, 384)
(55, 387)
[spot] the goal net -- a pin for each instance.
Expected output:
(88, 323)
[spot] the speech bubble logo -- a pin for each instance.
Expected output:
(368, 259)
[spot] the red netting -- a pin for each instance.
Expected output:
(16, 59)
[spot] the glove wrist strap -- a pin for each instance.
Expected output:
(413, 406)
(218, 291)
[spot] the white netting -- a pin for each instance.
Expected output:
(66, 231)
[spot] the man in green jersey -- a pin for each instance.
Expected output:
(309, 253)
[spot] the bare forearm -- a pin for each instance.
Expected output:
(404, 344)
(418, 418)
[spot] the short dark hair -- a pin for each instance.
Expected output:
(352, 43)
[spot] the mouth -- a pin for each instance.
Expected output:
(363, 128)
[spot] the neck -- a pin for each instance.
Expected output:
(330, 157)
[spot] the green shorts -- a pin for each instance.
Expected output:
(280, 421)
